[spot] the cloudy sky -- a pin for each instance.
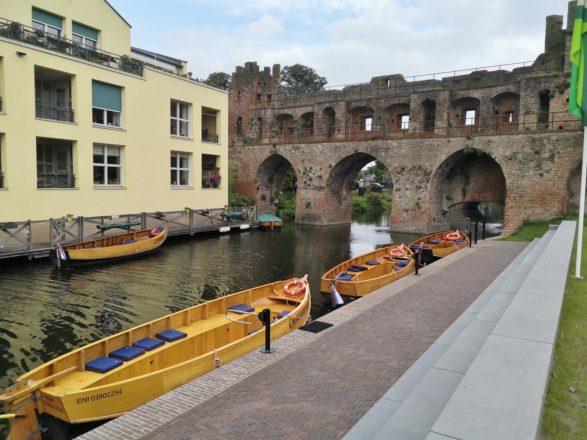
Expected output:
(348, 41)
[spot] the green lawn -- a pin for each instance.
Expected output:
(565, 410)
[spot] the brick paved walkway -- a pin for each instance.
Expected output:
(321, 390)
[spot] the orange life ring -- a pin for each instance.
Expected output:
(155, 232)
(295, 288)
(397, 252)
(456, 235)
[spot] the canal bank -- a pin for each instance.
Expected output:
(318, 385)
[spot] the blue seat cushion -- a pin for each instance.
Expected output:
(126, 353)
(241, 308)
(372, 262)
(283, 314)
(345, 277)
(103, 364)
(401, 263)
(434, 241)
(357, 268)
(129, 241)
(171, 335)
(148, 343)
(458, 241)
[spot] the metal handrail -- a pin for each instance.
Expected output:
(54, 112)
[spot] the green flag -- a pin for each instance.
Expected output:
(578, 92)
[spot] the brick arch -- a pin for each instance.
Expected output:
(467, 175)
(270, 177)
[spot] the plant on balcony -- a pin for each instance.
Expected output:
(214, 180)
(58, 44)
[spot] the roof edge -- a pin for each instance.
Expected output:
(118, 13)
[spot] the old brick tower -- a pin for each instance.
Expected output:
(499, 135)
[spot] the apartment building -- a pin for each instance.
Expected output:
(90, 126)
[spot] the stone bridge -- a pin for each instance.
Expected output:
(495, 135)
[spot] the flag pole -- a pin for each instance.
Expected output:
(581, 208)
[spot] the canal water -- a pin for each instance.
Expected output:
(46, 313)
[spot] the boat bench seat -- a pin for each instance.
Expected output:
(345, 277)
(283, 314)
(357, 268)
(171, 335)
(434, 241)
(241, 308)
(148, 343)
(103, 364)
(401, 263)
(372, 262)
(126, 353)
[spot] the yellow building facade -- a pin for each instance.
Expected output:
(86, 129)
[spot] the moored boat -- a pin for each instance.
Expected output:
(111, 248)
(442, 244)
(111, 376)
(268, 221)
(365, 273)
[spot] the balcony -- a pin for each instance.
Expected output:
(209, 137)
(1, 179)
(16, 31)
(55, 113)
(45, 180)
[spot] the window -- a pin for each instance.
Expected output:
(470, 117)
(367, 123)
(84, 36)
(107, 165)
(210, 171)
(404, 122)
(1, 169)
(106, 104)
(47, 23)
(209, 124)
(180, 169)
(54, 163)
(508, 117)
(179, 119)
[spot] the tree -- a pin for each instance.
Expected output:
(301, 79)
(220, 80)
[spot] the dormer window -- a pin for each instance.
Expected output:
(47, 23)
(84, 36)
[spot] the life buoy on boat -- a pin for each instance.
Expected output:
(295, 288)
(155, 232)
(397, 252)
(455, 235)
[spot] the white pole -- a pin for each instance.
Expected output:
(581, 208)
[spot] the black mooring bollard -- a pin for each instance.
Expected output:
(470, 234)
(416, 257)
(483, 231)
(476, 231)
(265, 318)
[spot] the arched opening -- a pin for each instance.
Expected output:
(284, 126)
(468, 184)
(506, 111)
(276, 185)
(307, 124)
(429, 115)
(543, 108)
(359, 184)
(465, 115)
(239, 126)
(361, 122)
(328, 121)
(397, 118)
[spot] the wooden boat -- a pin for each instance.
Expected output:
(114, 247)
(109, 377)
(363, 274)
(268, 221)
(442, 243)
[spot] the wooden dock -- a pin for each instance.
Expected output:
(36, 239)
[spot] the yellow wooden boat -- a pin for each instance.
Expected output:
(363, 274)
(442, 243)
(109, 377)
(112, 248)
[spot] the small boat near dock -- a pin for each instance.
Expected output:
(441, 244)
(365, 273)
(111, 248)
(268, 221)
(116, 374)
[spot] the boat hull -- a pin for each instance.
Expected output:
(362, 283)
(439, 245)
(66, 390)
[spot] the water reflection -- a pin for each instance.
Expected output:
(47, 312)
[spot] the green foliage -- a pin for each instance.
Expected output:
(290, 181)
(529, 230)
(301, 79)
(220, 80)
(371, 202)
(235, 199)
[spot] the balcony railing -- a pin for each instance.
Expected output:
(55, 180)
(494, 125)
(25, 34)
(209, 137)
(1, 179)
(55, 113)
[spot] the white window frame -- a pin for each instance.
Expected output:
(404, 122)
(176, 155)
(177, 120)
(106, 165)
(84, 41)
(116, 118)
(44, 27)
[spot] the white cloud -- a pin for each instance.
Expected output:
(265, 27)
